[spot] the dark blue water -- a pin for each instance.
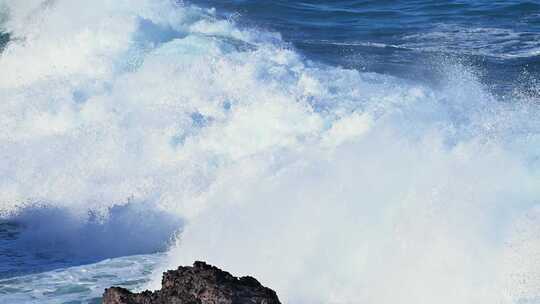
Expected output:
(500, 39)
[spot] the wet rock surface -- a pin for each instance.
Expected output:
(199, 284)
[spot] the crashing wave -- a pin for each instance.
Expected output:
(332, 184)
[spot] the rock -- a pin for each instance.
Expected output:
(200, 284)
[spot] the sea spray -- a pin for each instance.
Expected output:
(328, 184)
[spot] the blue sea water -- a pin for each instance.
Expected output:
(341, 151)
(404, 38)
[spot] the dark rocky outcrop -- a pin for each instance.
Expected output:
(200, 284)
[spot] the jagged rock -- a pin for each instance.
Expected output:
(200, 284)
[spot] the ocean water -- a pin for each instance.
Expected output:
(339, 151)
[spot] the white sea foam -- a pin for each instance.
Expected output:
(455, 39)
(330, 185)
(494, 42)
(82, 284)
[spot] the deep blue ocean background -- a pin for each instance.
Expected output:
(406, 38)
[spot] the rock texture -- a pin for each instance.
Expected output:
(200, 284)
